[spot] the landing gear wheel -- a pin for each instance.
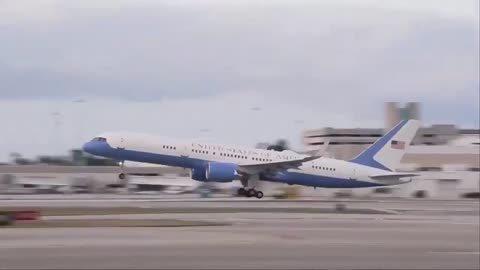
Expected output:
(241, 192)
(251, 193)
(259, 194)
(121, 176)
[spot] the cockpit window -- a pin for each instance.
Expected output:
(99, 139)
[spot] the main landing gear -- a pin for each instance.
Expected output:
(250, 193)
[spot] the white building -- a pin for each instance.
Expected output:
(447, 158)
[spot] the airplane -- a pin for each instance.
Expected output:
(212, 162)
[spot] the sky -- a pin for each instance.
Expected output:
(238, 72)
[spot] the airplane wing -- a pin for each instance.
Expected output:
(274, 166)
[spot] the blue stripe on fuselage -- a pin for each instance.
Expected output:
(297, 178)
(294, 178)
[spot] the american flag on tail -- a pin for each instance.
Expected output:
(397, 144)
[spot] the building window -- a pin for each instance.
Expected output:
(429, 169)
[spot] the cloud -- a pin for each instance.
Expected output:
(29, 12)
(324, 62)
(176, 50)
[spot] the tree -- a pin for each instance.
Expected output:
(279, 145)
(14, 156)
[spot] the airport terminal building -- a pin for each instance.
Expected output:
(446, 157)
(444, 153)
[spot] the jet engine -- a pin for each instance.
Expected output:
(215, 172)
(221, 172)
(198, 174)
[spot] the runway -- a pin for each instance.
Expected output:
(402, 234)
(191, 203)
(256, 241)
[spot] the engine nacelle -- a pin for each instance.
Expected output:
(199, 175)
(221, 172)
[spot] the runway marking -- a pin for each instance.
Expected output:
(455, 252)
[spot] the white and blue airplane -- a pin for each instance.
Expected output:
(210, 162)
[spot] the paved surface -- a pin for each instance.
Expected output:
(52, 169)
(423, 235)
(192, 201)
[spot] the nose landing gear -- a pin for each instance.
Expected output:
(122, 175)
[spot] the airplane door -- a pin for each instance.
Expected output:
(184, 154)
(354, 174)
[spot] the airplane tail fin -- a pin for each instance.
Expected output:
(387, 152)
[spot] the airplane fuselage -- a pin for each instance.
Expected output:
(321, 172)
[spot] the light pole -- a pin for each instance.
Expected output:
(57, 123)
